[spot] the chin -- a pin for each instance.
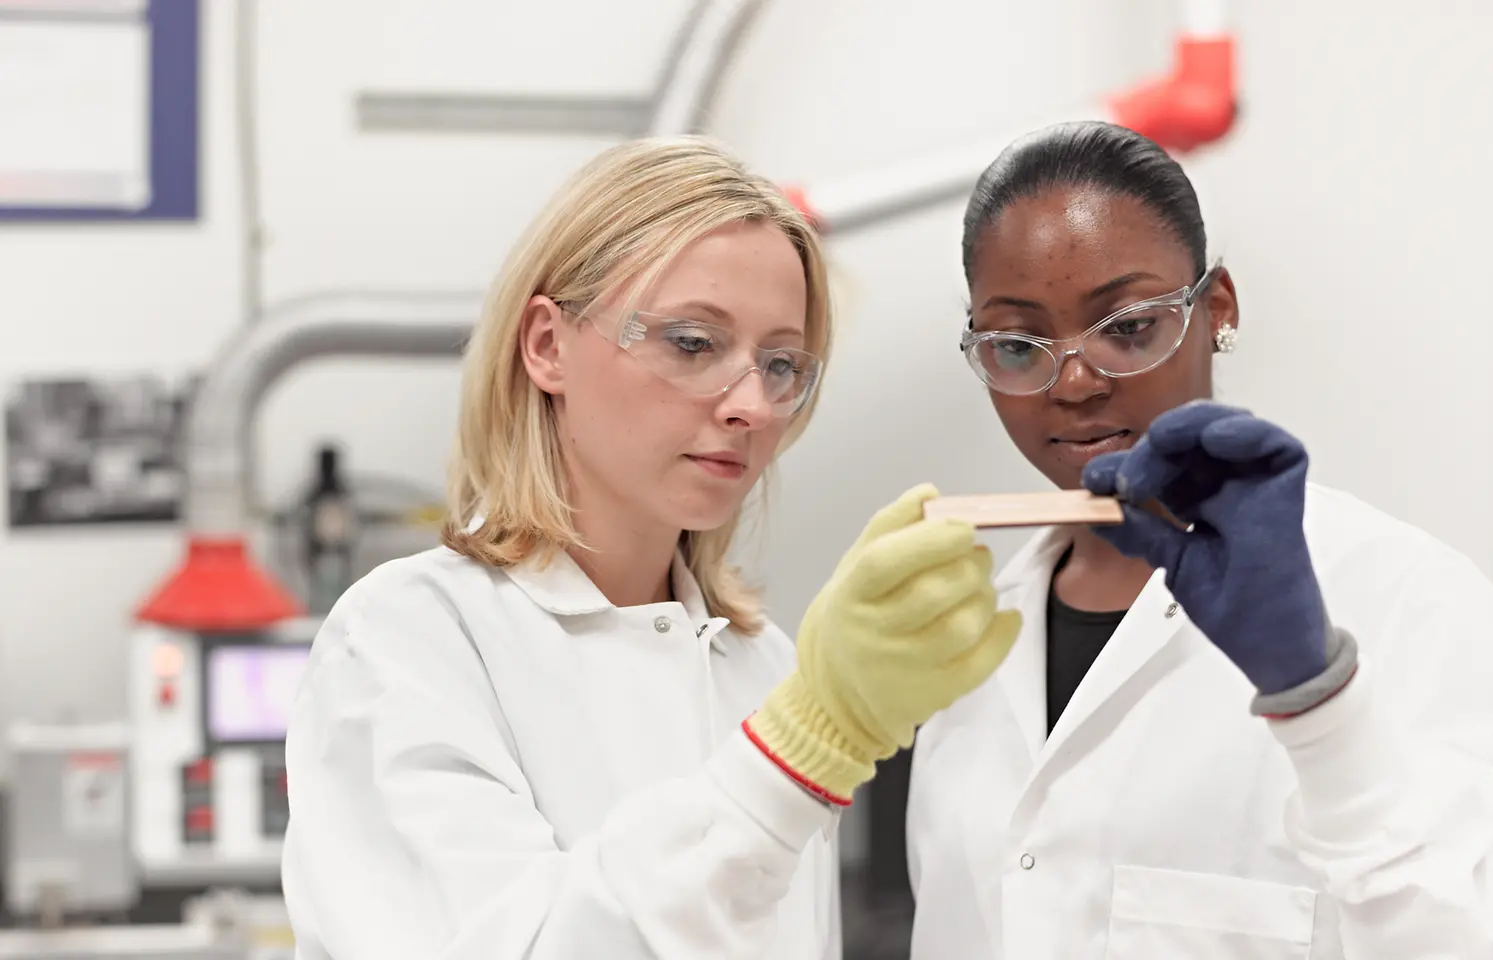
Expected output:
(705, 518)
(698, 507)
(693, 509)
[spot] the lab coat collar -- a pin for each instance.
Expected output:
(558, 585)
(561, 587)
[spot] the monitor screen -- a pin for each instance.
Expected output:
(250, 689)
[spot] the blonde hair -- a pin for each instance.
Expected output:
(618, 222)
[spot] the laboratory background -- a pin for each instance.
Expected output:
(241, 242)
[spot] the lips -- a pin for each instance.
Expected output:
(726, 466)
(1079, 447)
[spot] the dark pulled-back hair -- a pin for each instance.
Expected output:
(1094, 154)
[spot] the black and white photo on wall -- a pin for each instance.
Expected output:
(95, 450)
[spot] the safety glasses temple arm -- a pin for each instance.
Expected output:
(1194, 291)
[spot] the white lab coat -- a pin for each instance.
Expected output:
(503, 765)
(1161, 820)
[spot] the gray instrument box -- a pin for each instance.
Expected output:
(67, 846)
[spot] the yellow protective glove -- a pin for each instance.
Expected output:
(906, 625)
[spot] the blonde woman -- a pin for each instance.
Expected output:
(570, 732)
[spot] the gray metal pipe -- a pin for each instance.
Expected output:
(221, 416)
(680, 101)
(875, 197)
(696, 64)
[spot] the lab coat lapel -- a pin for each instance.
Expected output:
(1117, 677)
(1023, 676)
(1153, 620)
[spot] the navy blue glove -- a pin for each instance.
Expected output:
(1242, 571)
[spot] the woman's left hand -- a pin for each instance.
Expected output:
(1242, 572)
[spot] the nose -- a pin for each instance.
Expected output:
(1077, 382)
(745, 403)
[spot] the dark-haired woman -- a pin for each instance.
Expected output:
(1253, 721)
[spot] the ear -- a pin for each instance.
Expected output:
(540, 337)
(1223, 302)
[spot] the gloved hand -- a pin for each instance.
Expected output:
(906, 625)
(1242, 572)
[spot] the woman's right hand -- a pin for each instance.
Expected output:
(906, 625)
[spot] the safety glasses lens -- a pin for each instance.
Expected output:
(704, 360)
(1135, 342)
(1012, 364)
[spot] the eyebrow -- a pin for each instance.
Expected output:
(1103, 290)
(723, 315)
(1119, 283)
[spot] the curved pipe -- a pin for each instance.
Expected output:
(221, 415)
(877, 196)
(1193, 105)
(1188, 108)
(696, 64)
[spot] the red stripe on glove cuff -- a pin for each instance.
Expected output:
(798, 778)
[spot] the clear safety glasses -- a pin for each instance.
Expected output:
(707, 360)
(1128, 342)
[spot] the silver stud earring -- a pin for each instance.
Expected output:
(1225, 339)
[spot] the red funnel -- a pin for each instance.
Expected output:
(219, 589)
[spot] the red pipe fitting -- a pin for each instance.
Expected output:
(1195, 105)
(799, 199)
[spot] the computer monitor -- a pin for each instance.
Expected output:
(247, 690)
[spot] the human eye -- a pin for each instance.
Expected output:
(784, 365)
(1135, 326)
(690, 339)
(1013, 352)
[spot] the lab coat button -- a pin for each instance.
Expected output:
(1172, 608)
(1028, 861)
(662, 624)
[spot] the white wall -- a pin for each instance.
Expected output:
(1349, 203)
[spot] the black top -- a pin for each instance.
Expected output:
(1074, 639)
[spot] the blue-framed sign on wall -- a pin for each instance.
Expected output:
(99, 101)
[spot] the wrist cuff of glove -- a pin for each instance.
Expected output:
(796, 734)
(1342, 664)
